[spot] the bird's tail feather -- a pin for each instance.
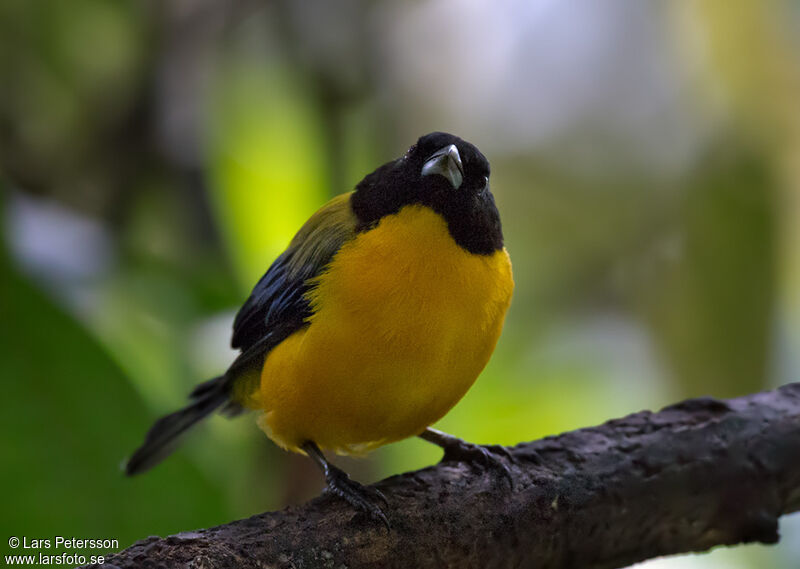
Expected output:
(163, 436)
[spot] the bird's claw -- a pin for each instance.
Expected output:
(357, 495)
(489, 456)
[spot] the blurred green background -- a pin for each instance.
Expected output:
(156, 156)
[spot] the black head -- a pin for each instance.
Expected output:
(445, 173)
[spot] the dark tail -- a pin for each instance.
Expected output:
(163, 436)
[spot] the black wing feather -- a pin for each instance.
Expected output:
(277, 306)
(276, 299)
(276, 309)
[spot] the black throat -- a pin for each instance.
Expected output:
(472, 218)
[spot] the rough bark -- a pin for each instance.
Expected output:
(697, 474)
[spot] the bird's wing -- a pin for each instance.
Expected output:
(278, 307)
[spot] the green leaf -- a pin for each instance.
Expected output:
(70, 418)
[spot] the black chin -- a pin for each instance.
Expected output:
(473, 221)
(469, 210)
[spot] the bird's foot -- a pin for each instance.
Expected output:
(363, 498)
(494, 457)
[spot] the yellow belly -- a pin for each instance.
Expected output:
(404, 321)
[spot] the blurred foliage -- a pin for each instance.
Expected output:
(69, 414)
(264, 135)
(73, 71)
(646, 162)
(725, 281)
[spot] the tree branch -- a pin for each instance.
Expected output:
(697, 474)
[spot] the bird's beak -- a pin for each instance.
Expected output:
(446, 162)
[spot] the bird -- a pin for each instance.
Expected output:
(373, 323)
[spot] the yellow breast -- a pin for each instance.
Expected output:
(404, 321)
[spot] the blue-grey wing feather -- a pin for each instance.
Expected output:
(278, 305)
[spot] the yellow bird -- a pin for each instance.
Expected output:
(374, 322)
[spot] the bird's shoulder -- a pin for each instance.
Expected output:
(277, 306)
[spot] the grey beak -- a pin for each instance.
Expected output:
(446, 162)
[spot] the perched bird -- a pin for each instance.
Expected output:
(374, 322)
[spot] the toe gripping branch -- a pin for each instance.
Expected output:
(459, 450)
(365, 498)
(362, 498)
